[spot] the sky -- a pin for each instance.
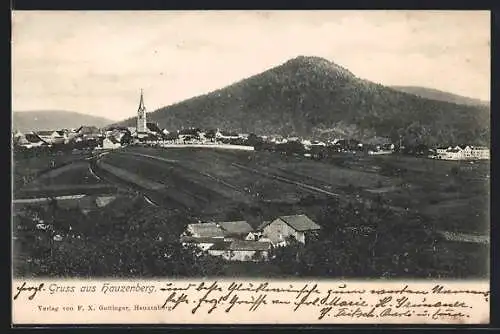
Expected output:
(97, 62)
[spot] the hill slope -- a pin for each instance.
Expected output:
(434, 94)
(310, 96)
(53, 120)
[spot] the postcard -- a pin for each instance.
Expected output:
(250, 167)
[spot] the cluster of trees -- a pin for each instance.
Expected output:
(125, 239)
(372, 241)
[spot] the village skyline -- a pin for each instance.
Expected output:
(176, 63)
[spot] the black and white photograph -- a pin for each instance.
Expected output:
(251, 144)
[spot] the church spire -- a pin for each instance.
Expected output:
(141, 115)
(141, 102)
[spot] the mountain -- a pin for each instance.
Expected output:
(313, 97)
(434, 94)
(53, 120)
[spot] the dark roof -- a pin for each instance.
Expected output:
(33, 138)
(153, 127)
(236, 227)
(206, 230)
(300, 223)
(221, 245)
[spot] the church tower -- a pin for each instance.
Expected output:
(141, 116)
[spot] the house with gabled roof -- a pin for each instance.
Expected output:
(30, 140)
(280, 229)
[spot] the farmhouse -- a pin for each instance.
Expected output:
(298, 226)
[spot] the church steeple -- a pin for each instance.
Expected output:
(141, 115)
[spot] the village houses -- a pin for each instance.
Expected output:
(463, 152)
(238, 241)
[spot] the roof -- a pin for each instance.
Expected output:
(153, 127)
(236, 227)
(88, 129)
(32, 138)
(300, 223)
(221, 245)
(206, 230)
(246, 245)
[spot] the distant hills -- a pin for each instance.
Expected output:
(313, 97)
(53, 120)
(438, 95)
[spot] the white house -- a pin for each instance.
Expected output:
(111, 143)
(226, 135)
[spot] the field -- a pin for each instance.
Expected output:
(50, 174)
(452, 196)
